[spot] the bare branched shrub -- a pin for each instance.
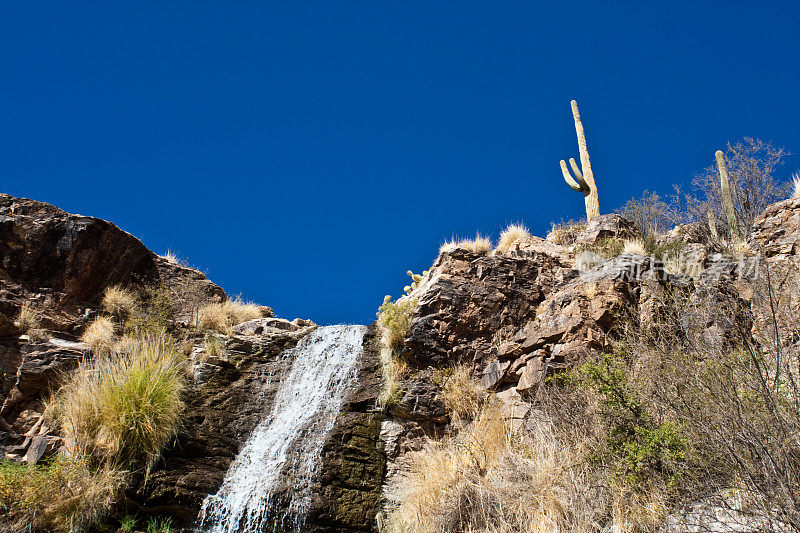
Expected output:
(512, 234)
(652, 215)
(751, 164)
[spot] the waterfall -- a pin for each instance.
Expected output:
(288, 440)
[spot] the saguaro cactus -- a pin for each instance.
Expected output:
(584, 179)
(727, 197)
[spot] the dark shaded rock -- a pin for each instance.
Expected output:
(422, 399)
(61, 264)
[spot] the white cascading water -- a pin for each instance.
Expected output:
(289, 439)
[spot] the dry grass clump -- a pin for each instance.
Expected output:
(462, 395)
(125, 407)
(28, 318)
(478, 245)
(492, 480)
(172, 257)
(511, 235)
(99, 335)
(796, 185)
(64, 495)
(634, 246)
(118, 302)
(221, 317)
(565, 233)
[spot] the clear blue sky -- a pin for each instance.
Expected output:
(306, 154)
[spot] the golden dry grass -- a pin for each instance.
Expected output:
(118, 302)
(511, 235)
(27, 318)
(99, 335)
(462, 395)
(490, 479)
(634, 246)
(565, 233)
(65, 495)
(221, 317)
(125, 407)
(796, 185)
(478, 245)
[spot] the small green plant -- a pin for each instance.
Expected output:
(638, 445)
(154, 314)
(159, 525)
(394, 319)
(128, 524)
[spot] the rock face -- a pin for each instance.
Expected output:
(776, 231)
(61, 264)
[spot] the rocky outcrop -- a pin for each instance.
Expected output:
(60, 264)
(776, 231)
(605, 227)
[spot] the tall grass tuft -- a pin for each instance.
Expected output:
(478, 245)
(796, 185)
(123, 408)
(221, 317)
(512, 234)
(118, 302)
(99, 335)
(634, 246)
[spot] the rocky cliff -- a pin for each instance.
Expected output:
(513, 318)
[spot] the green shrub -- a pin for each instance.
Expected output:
(639, 445)
(65, 494)
(394, 319)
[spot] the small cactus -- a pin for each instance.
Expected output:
(415, 281)
(584, 178)
(727, 197)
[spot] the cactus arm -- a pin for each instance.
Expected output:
(727, 197)
(576, 170)
(577, 185)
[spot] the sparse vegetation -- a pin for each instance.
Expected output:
(651, 215)
(99, 335)
(221, 317)
(796, 185)
(159, 525)
(478, 245)
(565, 232)
(128, 524)
(118, 302)
(512, 234)
(154, 314)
